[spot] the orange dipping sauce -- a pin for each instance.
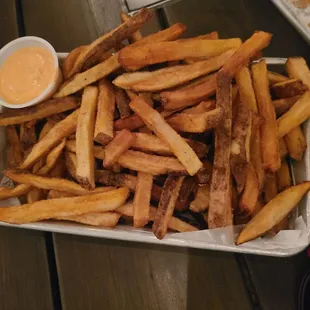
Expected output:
(25, 74)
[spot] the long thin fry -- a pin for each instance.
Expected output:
(136, 36)
(70, 60)
(122, 102)
(289, 88)
(283, 105)
(296, 143)
(14, 153)
(70, 160)
(202, 199)
(28, 138)
(98, 150)
(284, 180)
(274, 77)
(297, 68)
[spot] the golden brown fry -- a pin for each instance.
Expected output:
(53, 137)
(70, 160)
(289, 88)
(196, 122)
(85, 160)
(202, 107)
(122, 102)
(158, 125)
(136, 57)
(283, 148)
(131, 122)
(274, 77)
(70, 60)
(42, 110)
(273, 212)
(283, 105)
(166, 205)
(111, 178)
(296, 143)
(98, 150)
(14, 152)
(295, 116)
(53, 208)
(202, 198)
(27, 137)
(220, 208)
(142, 198)
(270, 187)
(188, 187)
(284, 180)
(297, 68)
(52, 194)
(136, 36)
(105, 112)
(120, 144)
(268, 129)
(171, 76)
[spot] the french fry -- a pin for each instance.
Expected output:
(14, 152)
(204, 175)
(273, 212)
(70, 160)
(111, 178)
(53, 137)
(142, 198)
(136, 36)
(289, 88)
(98, 150)
(202, 198)
(136, 57)
(131, 122)
(188, 187)
(295, 116)
(283, 105)
(85, 160)
(70, 60)
(284, 180)
(53, 208)
(42, 110)
(27, 137)
(152, 164)
(297, 68)
(220, 208)
(52, 194)
(202, 107)
(111, 39)
(196, 122)
(171, 76)
(105, 219)
(105, 112)
(166, 205)
(274, 77)
(296, 143)
(158, 125)
(270, 187)
(268, 129)
(60, 169)
(120, 144)
(283, 148)
(173, 100)
(122, 102)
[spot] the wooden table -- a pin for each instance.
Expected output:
(53, 271)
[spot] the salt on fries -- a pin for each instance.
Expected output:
(115, 144)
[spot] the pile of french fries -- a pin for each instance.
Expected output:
(182, 134)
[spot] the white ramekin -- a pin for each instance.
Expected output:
(17, 44)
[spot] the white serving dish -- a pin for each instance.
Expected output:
(286, 243)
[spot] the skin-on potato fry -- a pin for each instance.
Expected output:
(171, 76)
(289, 88)
(53, 208)
(27, 137)
(85, 160)
(173, 100)
(14, 152)
(204, 175)
(53, 137)
(69, 61)
(142, 198)
(159, 126)
(296, 143)
(105, 112)
(136, 36)
(202, 107)
(268, 129)
(101, 219)
(111, 39)
(120, 144)
(273, 212)
(166, 205)
(274, 77)
(122, 102)
(134, 58)
(196, 122)
(98, 150)
(295, 116)
(70, 160)
(283, 148)
(220, 208)
(283, 105)
(201, 201)
(42, 110)
(188, 187)
(284, 180)
(297, 68)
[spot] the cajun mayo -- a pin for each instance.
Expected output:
(25, 74)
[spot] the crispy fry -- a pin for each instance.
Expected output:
(283, 148)
(105, 112)
(44, 109)
(120, 144)
(141, 201)
(60, 169)
(202, 107)
(133, 58)
(204, 175)
(152, 164)
(220, 209)
(111, 178)
(296, 143)
(14, 152)
(166, 205)
(122, 102)
(171, 76)
(53, 208)
(52, 194)
(284, 180)
(270, 187)
(202, 199)
(188, 187)
(98, 150)
(131, 122)
(53, 137)
(295, 116)
(283, 105)
(27, 137)
(158, 125)
(196, 122)
(289, 88)
(69, 61)
(297, 68)
(136, 36)
(111, 39)
(273, 212)
(268, 129)
(274, 77)
(70, 160)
